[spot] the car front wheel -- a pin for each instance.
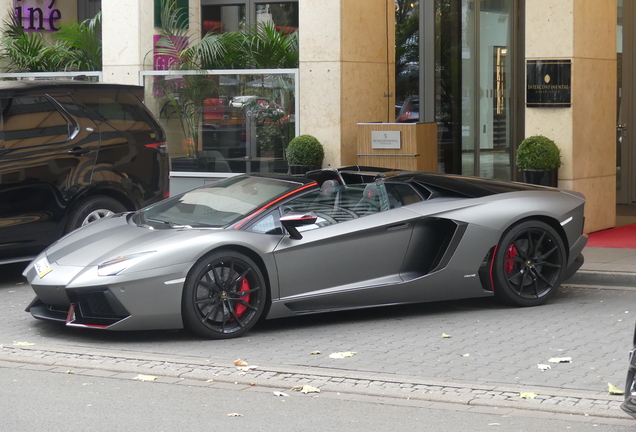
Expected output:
(529, 264)
(224, 295)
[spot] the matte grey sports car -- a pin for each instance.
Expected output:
(216, 259)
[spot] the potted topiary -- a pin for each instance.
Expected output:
(539, 158)
(304, 153)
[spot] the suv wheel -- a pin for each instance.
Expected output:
(91, 210)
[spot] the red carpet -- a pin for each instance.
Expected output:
(622, 237)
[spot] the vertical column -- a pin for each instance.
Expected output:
(347, 71)
(583, 31)
(127, 29)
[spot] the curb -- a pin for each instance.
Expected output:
(599, 278)
(172, 369)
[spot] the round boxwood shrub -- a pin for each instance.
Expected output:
(305, 150)
(538, 152)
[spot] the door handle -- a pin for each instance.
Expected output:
(78, 151)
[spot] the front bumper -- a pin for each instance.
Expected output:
(146, 300)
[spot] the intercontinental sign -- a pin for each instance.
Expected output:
(548, 83)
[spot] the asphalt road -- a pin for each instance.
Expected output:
(488, 343)
(40, 400)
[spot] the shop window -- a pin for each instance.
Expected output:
(221, 16)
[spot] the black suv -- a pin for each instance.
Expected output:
(70, 153)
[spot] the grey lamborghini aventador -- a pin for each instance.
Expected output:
(216, 259)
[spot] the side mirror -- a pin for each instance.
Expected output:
(292, 220)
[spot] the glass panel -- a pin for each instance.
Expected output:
(469, 129)
(236, 123)
(621, 120)
(452, 49)
(283, 15)
(495, 102)
(407, 61)
(222, 19)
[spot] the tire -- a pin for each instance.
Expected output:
(529, 264)
(224, 296)
(93, 209)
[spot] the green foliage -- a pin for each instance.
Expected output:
(77, 46)
(538, 152)
(305, 150)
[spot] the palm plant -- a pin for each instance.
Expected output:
(77, 47)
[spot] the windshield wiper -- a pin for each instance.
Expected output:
(169, 223)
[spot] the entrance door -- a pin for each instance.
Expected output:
(626, 120)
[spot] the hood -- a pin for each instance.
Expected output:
(111, 238)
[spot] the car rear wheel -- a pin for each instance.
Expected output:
(224, 296)
(93, 209)
(529, 264)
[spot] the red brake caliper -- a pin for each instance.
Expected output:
(511, 253)
(240, 307)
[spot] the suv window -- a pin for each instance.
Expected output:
(122, 110)
(33, 120)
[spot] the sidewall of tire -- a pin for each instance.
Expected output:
(84, 208)
(502, 290)
(188, 309)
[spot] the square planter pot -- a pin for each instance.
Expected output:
(541, 177)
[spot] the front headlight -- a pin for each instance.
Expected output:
(119, 264)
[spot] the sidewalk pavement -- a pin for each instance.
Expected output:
(606, 267)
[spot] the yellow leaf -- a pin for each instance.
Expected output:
(69, 372)
(316, 352)
(444, 335)
(239, 362)
(340, 355)
(465, 355)
(611, 389)
(145, 378)
(528, 395)
(544, 367)
(235, 415)
(210, 380)
(23, 343)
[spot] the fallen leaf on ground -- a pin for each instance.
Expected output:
(252, 383)
(339, 355)
(493, 424)
(277, 393)
(239, 362)
(235, 415)
(23, 343)
(611, 389)
(444, 335)
(560, 360)
(246, 368)
(527, 395)
(465, 355)
(145, 377)
(210, 380)
(316, 352)
(69, 372)
(306, 389)
(544, 367)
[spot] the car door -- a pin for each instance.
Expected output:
(352, 246)
(46, 157)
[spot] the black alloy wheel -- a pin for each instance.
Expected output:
(529, 264)
(224, 296)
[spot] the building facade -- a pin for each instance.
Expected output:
(458, 64)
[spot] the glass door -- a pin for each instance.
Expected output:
(625, 155)
(476, 53)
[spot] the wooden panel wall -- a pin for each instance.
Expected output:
(418, 152)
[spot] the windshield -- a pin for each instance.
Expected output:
(217, 205)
